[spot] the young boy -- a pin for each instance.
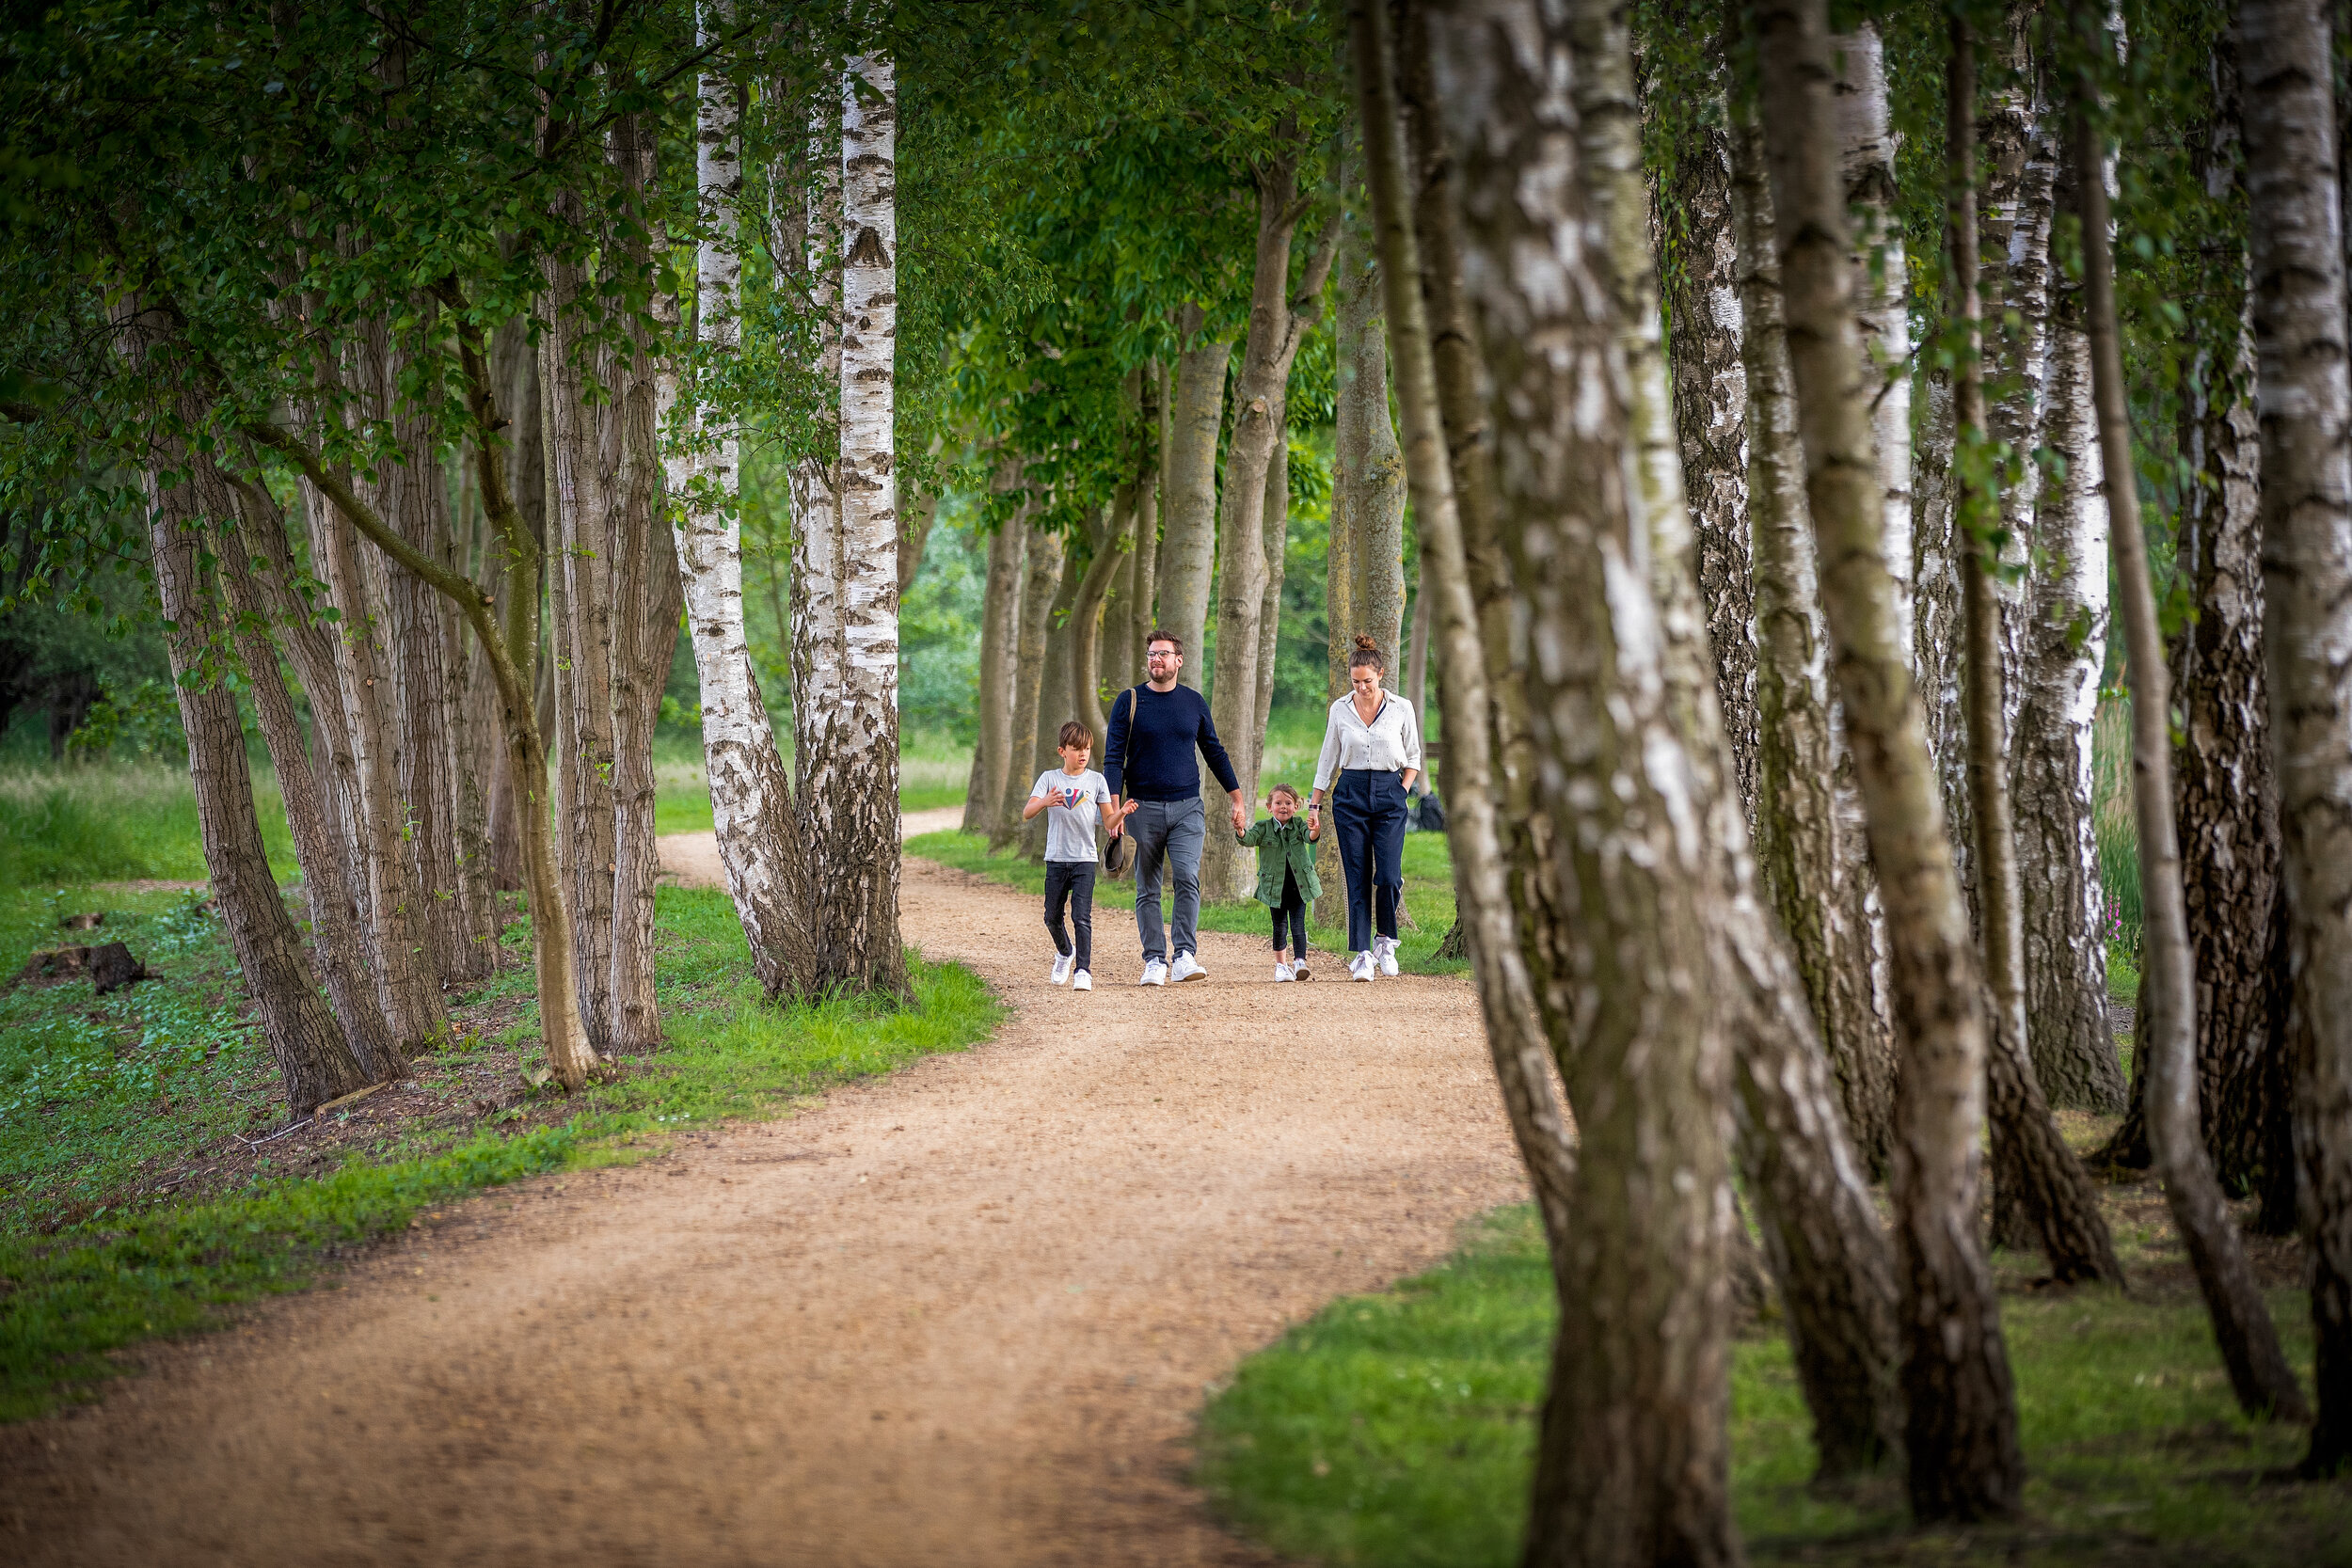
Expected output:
(1286, 875)
(1076, 796)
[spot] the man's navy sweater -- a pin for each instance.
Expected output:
(1159, 765)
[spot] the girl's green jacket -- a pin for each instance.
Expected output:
(1279, 847)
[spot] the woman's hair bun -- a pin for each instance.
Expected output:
(1365, 643)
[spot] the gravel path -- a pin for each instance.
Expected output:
(963, 1314)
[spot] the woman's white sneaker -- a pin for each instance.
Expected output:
(1384, 953)
(1082, 981)
(1359, 967)
(1062, 967)
(1300, 971)
(1281, 974)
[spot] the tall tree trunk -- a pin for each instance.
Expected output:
(1278, 539)
(1799, 851)
(1086, 616)
(1517, 1010)
(1189, 549)
(2033, 1170)
(1820, 1228)
(515, 365)
(1154, 414)
(1961, 1431)
(1053, 703)
(2306, 402)
(1280, 319)
(1633, 1463)
(1040, 585)
(856, 845)
(1475, 830)
(312, 1057)
(334, 937)
(2167, 1004)
(411, 991)
(1710, 398)
(1000, 638)
(751, 793)
(2058, 645)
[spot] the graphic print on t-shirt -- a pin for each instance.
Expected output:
(1069, 827)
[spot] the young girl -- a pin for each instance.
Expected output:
(1286, 875)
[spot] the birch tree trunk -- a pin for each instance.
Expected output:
(750, 796)
(2259, 1373)
(1710, 398)
(1961, 1430)
(1633, 1463)
(1189, 549)
(2034, 1173)
(312, 1056)
(1503, 952)
(2306, 404)
(1280, 319)
(1800, 850)
(855, 839)
(2057, 635)
(1820, 1228)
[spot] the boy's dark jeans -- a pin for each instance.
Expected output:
(1073, 880)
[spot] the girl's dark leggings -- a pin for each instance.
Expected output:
(1294, 917)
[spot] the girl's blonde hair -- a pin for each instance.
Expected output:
(1282, 789)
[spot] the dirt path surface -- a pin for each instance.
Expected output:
(963, 1314)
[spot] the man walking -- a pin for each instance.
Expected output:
(1149, 755)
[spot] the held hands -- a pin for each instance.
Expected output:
(1241, 817)
(1314, 821)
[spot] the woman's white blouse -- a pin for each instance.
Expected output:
(1389, 744)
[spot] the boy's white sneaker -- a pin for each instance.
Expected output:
(1281, 974)
(1082, 981)
(1062, 967)
(1359, 967)
(1187, 968)
(1384, 953)
(1155, 973)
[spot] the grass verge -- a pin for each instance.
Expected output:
(1428, 897)
(1398, 1429)
(96, 1256)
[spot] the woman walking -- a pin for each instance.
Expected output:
(1370, 756)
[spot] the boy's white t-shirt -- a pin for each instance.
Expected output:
(1070, 830)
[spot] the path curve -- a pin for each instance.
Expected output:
(961, 1314)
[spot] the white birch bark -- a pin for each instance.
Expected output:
(751, 798)
(1865, 147)
(857, 836)
(818, 652)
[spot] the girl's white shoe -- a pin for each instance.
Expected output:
(1281, 974)
(1359, 967)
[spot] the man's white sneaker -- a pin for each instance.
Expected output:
(1155, 973)
(1359, 967)
(1187, 968)
(1082, 981)
(1384, 953)
(1062, 967)
(1281, 974)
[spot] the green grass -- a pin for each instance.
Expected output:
(117, 822)
(934, 769)
(1428, 896)
(133, 1097)
(1398, 1429)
